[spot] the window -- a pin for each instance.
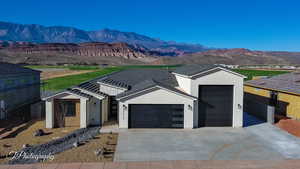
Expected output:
(70, 108)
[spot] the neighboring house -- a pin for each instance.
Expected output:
(19, 88)
(281, 92)
(189, 97)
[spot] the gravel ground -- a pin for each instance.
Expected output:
(55, 146)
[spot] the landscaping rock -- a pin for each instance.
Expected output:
(76, 144)
(59, 145)
(26, 145)
(39, 132)
(99, 152)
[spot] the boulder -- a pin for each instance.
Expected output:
(26, 145)
(76, 144)
(39, 132)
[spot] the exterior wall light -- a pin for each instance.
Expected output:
(124, 107)
(190, 107)
(239, 106)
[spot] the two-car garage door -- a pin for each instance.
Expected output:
(156, 115)
(215, 108)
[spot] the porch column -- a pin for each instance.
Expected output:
(83, 113)
(49, 114)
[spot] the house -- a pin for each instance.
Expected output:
(19, 88)
(281, 91)
(191, 96)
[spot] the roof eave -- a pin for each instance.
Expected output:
(158, 86)
(62, 92)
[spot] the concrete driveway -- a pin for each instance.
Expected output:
(259, 142)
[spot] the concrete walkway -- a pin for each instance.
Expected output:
(287, 164)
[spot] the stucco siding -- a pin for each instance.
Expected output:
(110, 90)
(104, 112)
(159, 96)
(224, 78)
(184, 83)
(49, 114)
(257, 91)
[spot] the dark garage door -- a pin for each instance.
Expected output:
(215, 106)
(156, 116)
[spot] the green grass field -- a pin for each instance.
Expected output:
(251, 73)
(61, 83)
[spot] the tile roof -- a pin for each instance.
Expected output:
(131, 77)
(91, 87)
(148, 84)
(190, 70)
(289, 82)
(8, 68)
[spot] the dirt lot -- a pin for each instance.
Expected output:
(25, 136)
(289, 125)
(48, 74)
(84, 153)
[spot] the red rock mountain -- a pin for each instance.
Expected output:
(83, 49)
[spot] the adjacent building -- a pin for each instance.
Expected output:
(191, 96)
(19, 88)
(281, 91)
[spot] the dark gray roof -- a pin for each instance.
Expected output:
(289, 82)
(115, 83)
(190, 70)
(91, 86)
(148, 84)
(8, 68)
(131, 77)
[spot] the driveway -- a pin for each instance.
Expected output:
(259, 142)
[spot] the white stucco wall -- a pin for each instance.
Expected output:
(224, 78)
(110, 90)
(184, 83)
(159, 96)
(84, 113)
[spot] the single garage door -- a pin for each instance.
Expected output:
(156, 115)
(215, 106)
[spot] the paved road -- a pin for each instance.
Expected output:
(287, 164)
(258, 142)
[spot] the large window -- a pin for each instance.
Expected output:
(70, 108)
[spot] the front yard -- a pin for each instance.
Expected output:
(24, 134)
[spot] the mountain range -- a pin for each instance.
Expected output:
(60, 34)
(37, 44)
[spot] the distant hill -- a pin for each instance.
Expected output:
(60, 34)
(238, 56)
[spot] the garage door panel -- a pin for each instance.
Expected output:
(155, 116)
(215, 105)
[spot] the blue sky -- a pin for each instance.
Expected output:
(253, 24)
